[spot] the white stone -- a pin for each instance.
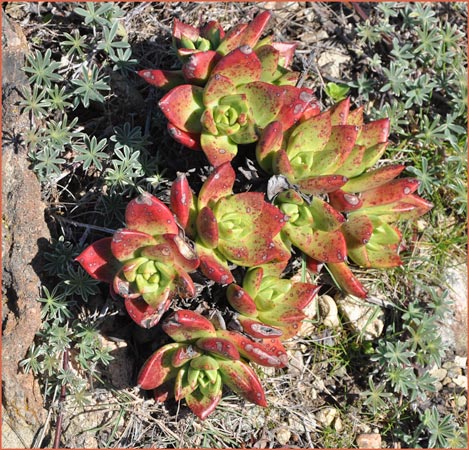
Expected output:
(461, 361)
(283, 436)
(363, 317)
(326, 416)
(454, 328)
(439, 373)
(330, 61)
(461, 381)
(329, 312)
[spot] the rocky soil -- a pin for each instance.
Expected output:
(318, 394)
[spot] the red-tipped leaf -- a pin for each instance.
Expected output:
(157, 368)
(183, 107)
(149, 215)
(218, 346)
(143, 314)
(186, 325)
(98, 261)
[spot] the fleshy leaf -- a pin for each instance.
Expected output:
(254, 30)
(374, 133)
(411, 207)
(242, 379)
(157, 368)
(181, 199)
(322, 184)
(183, 107)
(232, 39)
(204, 362)
(346, 279)
(207, 227)
(98, 261)
(390, 192)
(252, 282)
(258, 330)
(218, 149)
(312, 133)
(339, 112)
(143, 314)
(299, 103)
(183, 354)
(326, 218)
(213, 265)
(373, 178)
(269, 58)
(199, 66)
(219, 184)
(181, 29)
(218, 346)
(344, 201)
(125, 243)
(336, 151)
(186, 325)
(324, 246)
(217, 86)
(183, 253)
(164, 79)
(241, 301)
(265, 101)
(189, 140)
(357, 231)
(240, 66)
(355, 117)
(269, 143)
(269, 352)
(149, 215)
(201, 405)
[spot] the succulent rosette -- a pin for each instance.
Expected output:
(374, 201)
(321, 153)
(199, 49)
(314, 227)
(230, 228)
(232, 108)
(146, 263)
(269, 306)
(202, 359)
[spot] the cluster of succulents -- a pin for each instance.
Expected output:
(235, 89)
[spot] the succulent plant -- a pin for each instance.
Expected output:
(233, 107)
(146, 263)
(199, 49)
(202, 359)
(231, 228)
(235, 88)
(314, 227)
(320, 154)
(269, 306)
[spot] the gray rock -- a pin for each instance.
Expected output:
(454, 329)
(23, 232)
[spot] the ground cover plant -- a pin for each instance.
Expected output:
(206, 185)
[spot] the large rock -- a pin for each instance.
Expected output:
(23, 228)
(454, 328)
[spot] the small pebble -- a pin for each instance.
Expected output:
(446, 381)
(461, 402)
(439, 374)
(461, 362)
(283, 436)
(326, 416)
(461, 381)
(371, 440)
